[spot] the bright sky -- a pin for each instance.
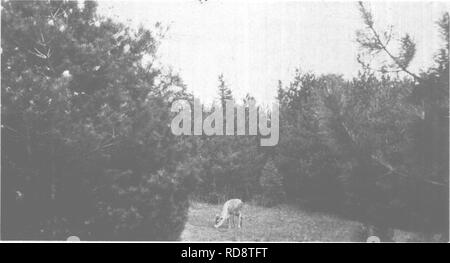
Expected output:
(255, 44)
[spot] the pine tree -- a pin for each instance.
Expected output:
(224, 92)
(85, 129)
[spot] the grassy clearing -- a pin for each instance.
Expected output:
(281, 223)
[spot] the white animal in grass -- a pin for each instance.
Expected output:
(231, 209)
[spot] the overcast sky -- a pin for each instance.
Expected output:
(256, 43)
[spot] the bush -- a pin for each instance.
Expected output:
(154, 207)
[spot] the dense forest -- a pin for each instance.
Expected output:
(87, 148)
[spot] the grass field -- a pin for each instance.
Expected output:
(281, 223)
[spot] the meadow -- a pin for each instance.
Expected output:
(279, 223)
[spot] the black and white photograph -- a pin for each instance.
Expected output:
(224, 121)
